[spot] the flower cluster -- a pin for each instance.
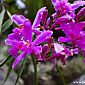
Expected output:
(27, 38)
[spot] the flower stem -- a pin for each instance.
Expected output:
(61, 75)
(35, 71)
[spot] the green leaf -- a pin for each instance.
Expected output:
(5, 60)
(6, 25)
(1, 18)
(9, 14)
(20, 70)
(9, 69)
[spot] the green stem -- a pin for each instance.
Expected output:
(35, 70)
(61, 75)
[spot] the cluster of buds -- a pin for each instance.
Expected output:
(37, 38)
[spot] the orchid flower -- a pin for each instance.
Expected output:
(74, 34)
(62, 7)
(21, 42)
(72, 31)
(62, 52)
(40, 17)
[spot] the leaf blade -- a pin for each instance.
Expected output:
(2, 17)
(20, 71)
(6, 25)
(9, 70)
(9, 14)
(5, 60)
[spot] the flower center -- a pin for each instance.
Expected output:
(27, 43)
(21, 26)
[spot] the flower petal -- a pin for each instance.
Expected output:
(63, 19)
(37, 50)
(44, 51)
(53, 1)
(78, 27)
(18, 19)
(56, 1)
(66, 29)
(27, 30)
(37, 32)
(18, 59)
(38, 17)
(15, 36)
(42, 37)
(75, 51)
(58, 48)
(11, 42)
(14, 51)
(44, 16)
(49, 40)
(68, 52)
(81, 43)
(63, 39)
(80, 14)
(76, 4)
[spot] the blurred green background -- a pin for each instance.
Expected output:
(28, 8)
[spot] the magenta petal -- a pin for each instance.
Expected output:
(49, 40)
(72, 14)
(37, 49)
(16, 30)
(29, 51)
(53, 1)
(53, 16)
(18, 19)
(66, 1)
(48, 21)
(42, 37)
(37, 32)
(66, 29)
(56, 1)
(27, 30)
(58, 48)
(44, 50)
(80, 14)
(18, 59)
(15, 36)
(26, 48)
(61, 7)
(39, 57)
(81, 43)
(58, 28)
(75, 51)
(76, 4)
(63, 19)
(68, 52)
(14, 51)
(38, 17)
(44, 17)
(78, 27)
(11, 42)
(63, 39)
